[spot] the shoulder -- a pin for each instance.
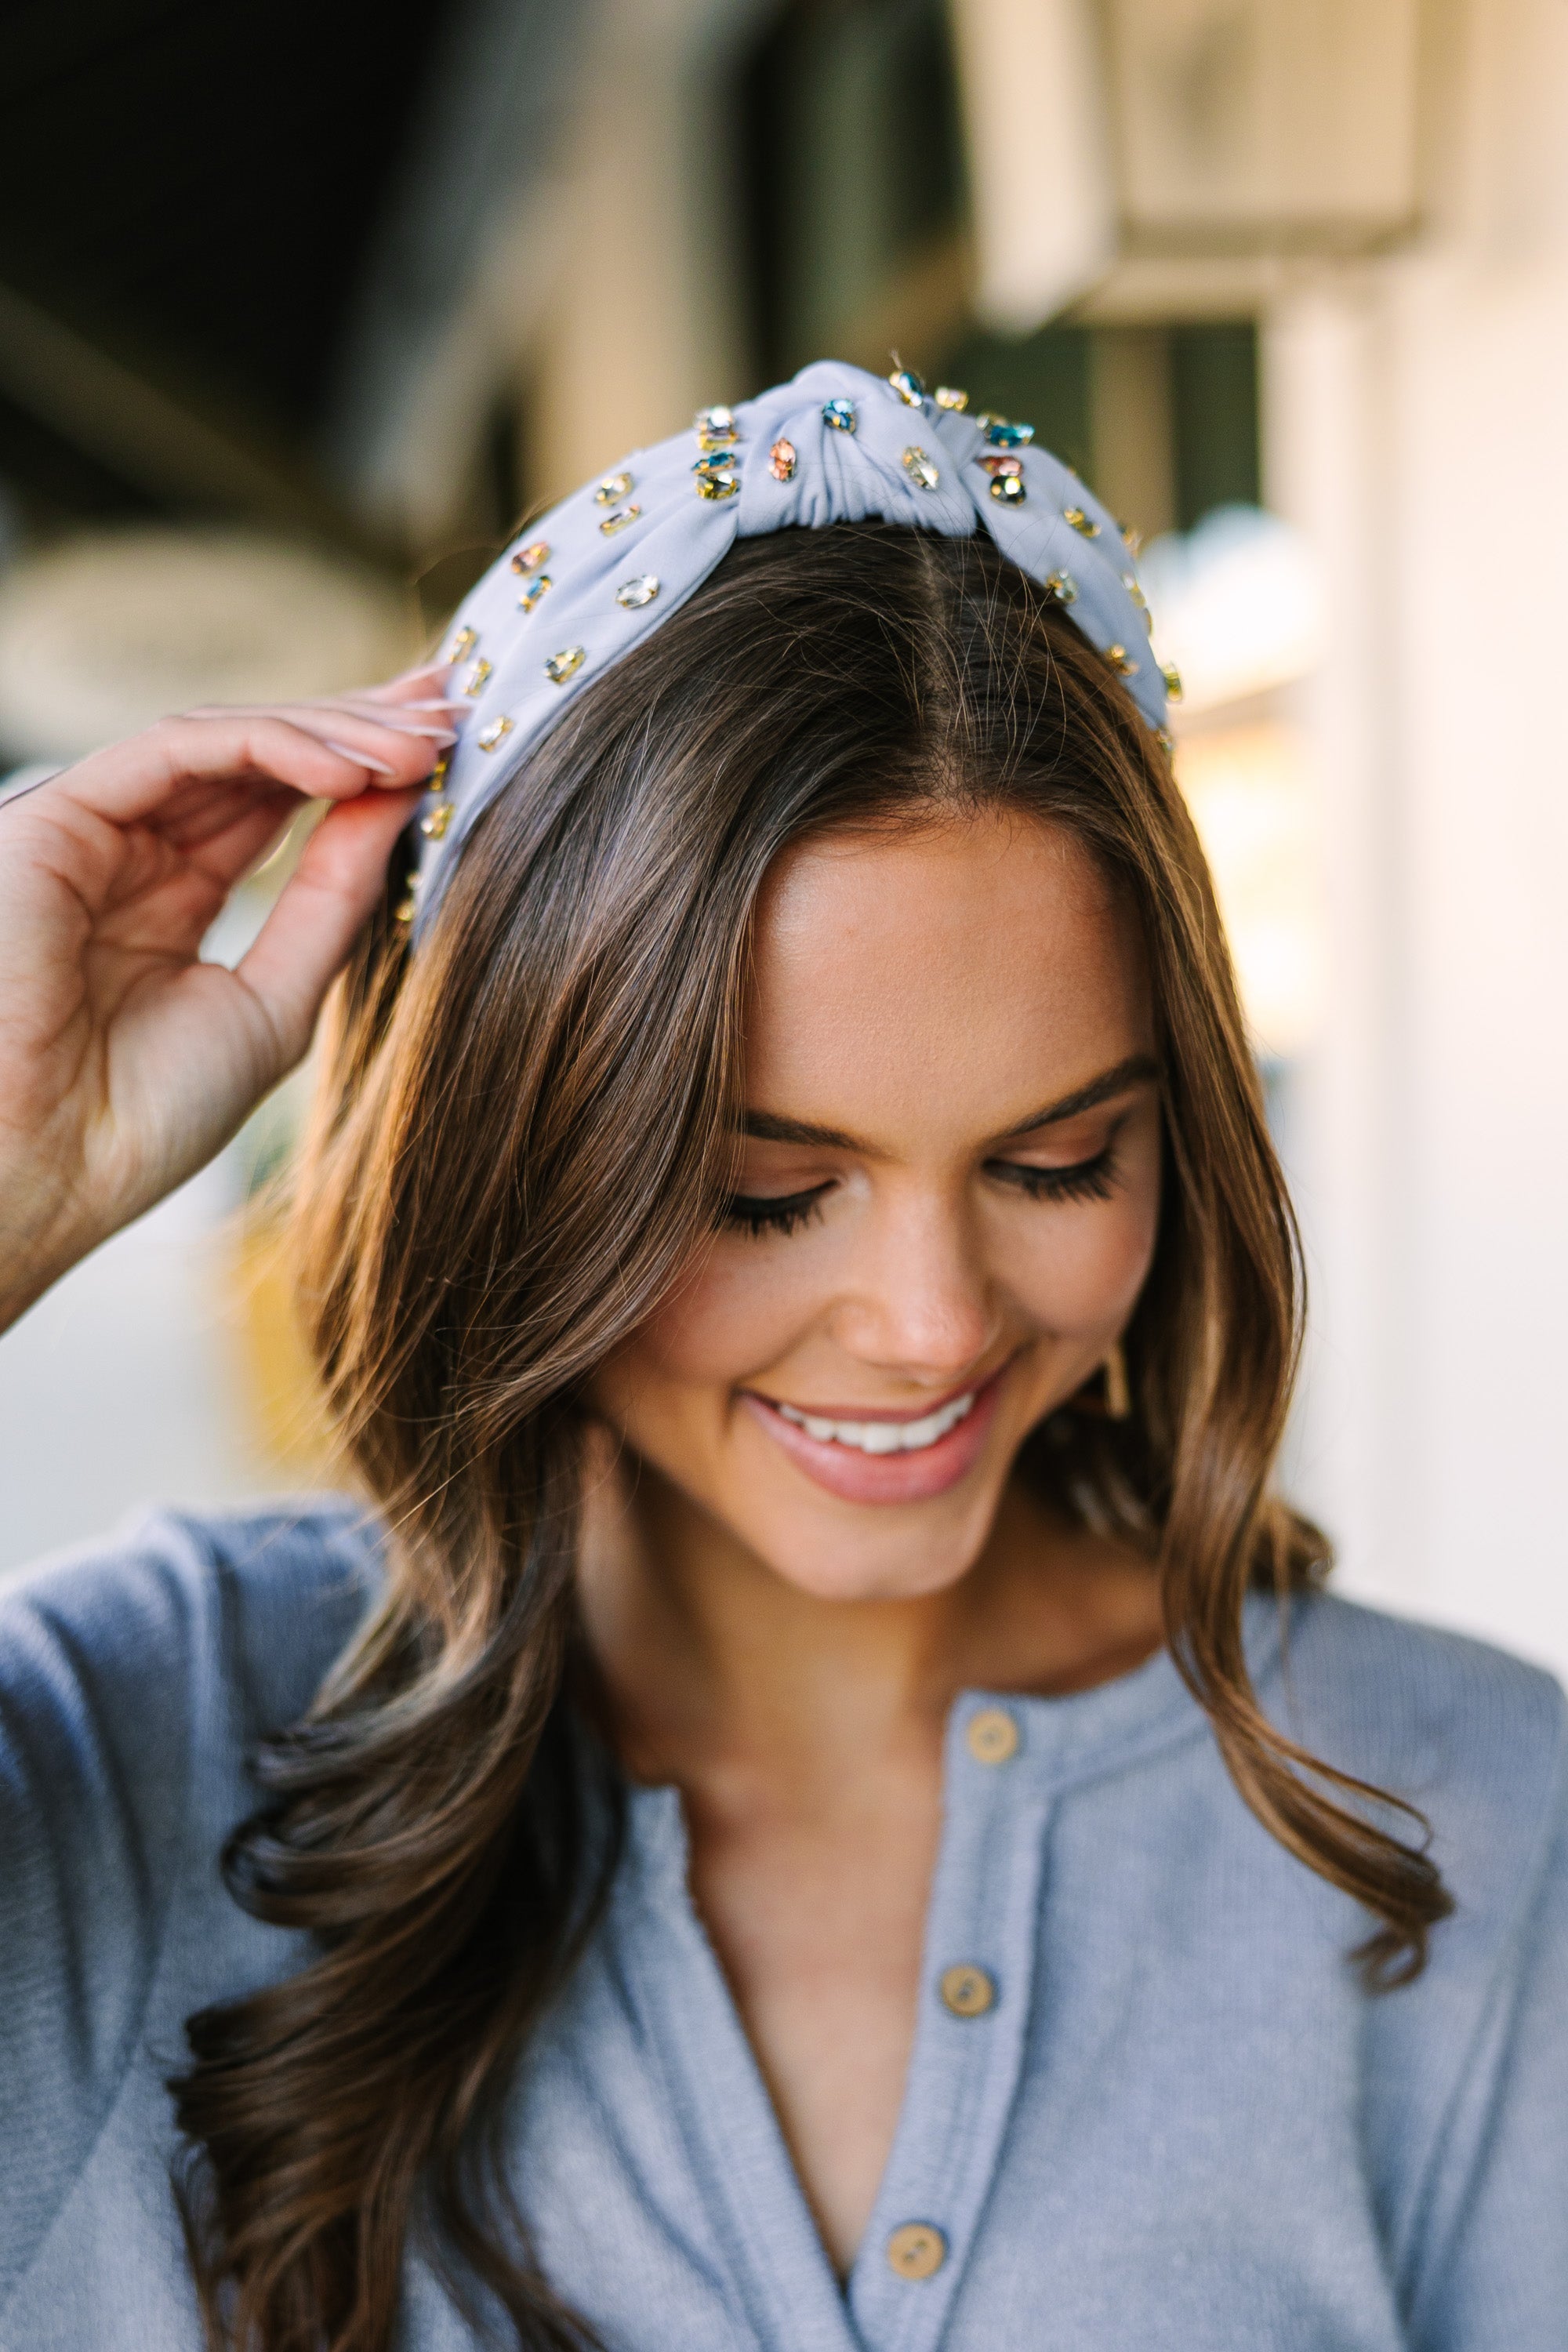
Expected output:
(1475, 1738)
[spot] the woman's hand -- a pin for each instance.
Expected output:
(125, 1062)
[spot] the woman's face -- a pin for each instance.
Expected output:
(945, 1213)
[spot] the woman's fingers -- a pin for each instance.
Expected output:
(131, 782)
(306, 938)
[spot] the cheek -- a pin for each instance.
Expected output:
(742, 1309)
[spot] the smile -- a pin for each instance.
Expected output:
(884, 1437)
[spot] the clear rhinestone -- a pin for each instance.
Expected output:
(782, 461)
(716, 424)
(1165, 740)
(619, 520)
(1080, 521)
(463, 644)
(495, 732)
(438, 782)
(433, 822)
(1062, 586)
(613, 486)
(564, 664)
(920, 469)
(1173, 678)
(529, 559)
(947, 396)
(717, 486)
(1121, 659)
(635, 593)
(478, 677)
(840, 414)
(534, 593)
(1131, 537)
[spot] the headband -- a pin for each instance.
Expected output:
(600, 572)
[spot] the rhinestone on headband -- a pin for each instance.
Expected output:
(1121, 659)
(1004, 435)
(433, 822)
(1173, 678)
(1080, 521)
(947, 396)
(463, 644)
(562, 666)
(782, 461)
(840, 414)
(716, 424)
(920, 469)
(635, 593)
(908, 386)
(529, 558)
(1009, 488)
(495, 732)
(619, 520)
(613, 486)
(534, 593)
(717, 486)
(714, 461)
(1062, 586)
(479, 676)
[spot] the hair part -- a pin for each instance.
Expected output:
(522, 1138)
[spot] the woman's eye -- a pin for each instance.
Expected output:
(1086, 1180)
(785, 1212)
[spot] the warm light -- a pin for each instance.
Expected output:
(1249, 790)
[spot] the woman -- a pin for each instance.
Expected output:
(821, 1803)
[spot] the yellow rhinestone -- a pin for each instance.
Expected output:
(1081, 522)
(967, 1991)
(529, 558)
(439, 772)
(478, 677)
(1121, 659)
(717, 486)
(613, 486)
(1173, 678)
(463, 644)
(433, 822)
(918, 2251)
(495, 732)
(564, 664)
(993, 1735)
(619, 520)
(948, 397)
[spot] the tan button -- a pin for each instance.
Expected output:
(993, 1735)
(916, 2251)
(967, 1991)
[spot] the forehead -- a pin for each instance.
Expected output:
(984, 953)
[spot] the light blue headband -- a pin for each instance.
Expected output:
(606, 566)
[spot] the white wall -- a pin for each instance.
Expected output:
(1415, 420)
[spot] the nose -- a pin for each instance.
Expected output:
(917, 1299)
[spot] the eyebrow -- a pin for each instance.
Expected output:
(1137, 1069)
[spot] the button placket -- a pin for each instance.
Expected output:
(976, 1980)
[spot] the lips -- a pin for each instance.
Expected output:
(890, 1457)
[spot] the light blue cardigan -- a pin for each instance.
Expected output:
(1180, 2126)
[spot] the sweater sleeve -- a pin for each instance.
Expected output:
(1495, 2266)
(132, 1679)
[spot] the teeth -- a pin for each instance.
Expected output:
(883, 1436)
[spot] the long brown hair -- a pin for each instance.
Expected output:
(523, 1134)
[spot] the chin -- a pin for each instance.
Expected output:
(903, 1555)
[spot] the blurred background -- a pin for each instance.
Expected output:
(300, 308)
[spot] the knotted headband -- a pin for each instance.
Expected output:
(601, 569)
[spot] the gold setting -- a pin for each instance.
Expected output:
(949, 396)
(564, 664)
(1081, 522)
(918, 466)
(529, 559)
(614, 488)
(619, 520)
(495, 732)
(479, 678)
(463, 644)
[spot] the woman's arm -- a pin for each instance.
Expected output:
(126, 1062)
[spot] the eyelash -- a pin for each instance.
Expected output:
(1090, 1180)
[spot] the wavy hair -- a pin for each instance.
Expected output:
(522, 1138)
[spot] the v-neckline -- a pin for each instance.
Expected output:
(963, 2070)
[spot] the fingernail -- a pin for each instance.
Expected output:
(359, 759)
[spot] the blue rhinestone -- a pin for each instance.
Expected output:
(840, 414)
(717, 461)
(1004, 435)
(908, 386)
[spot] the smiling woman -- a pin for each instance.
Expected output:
(824, 1803)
